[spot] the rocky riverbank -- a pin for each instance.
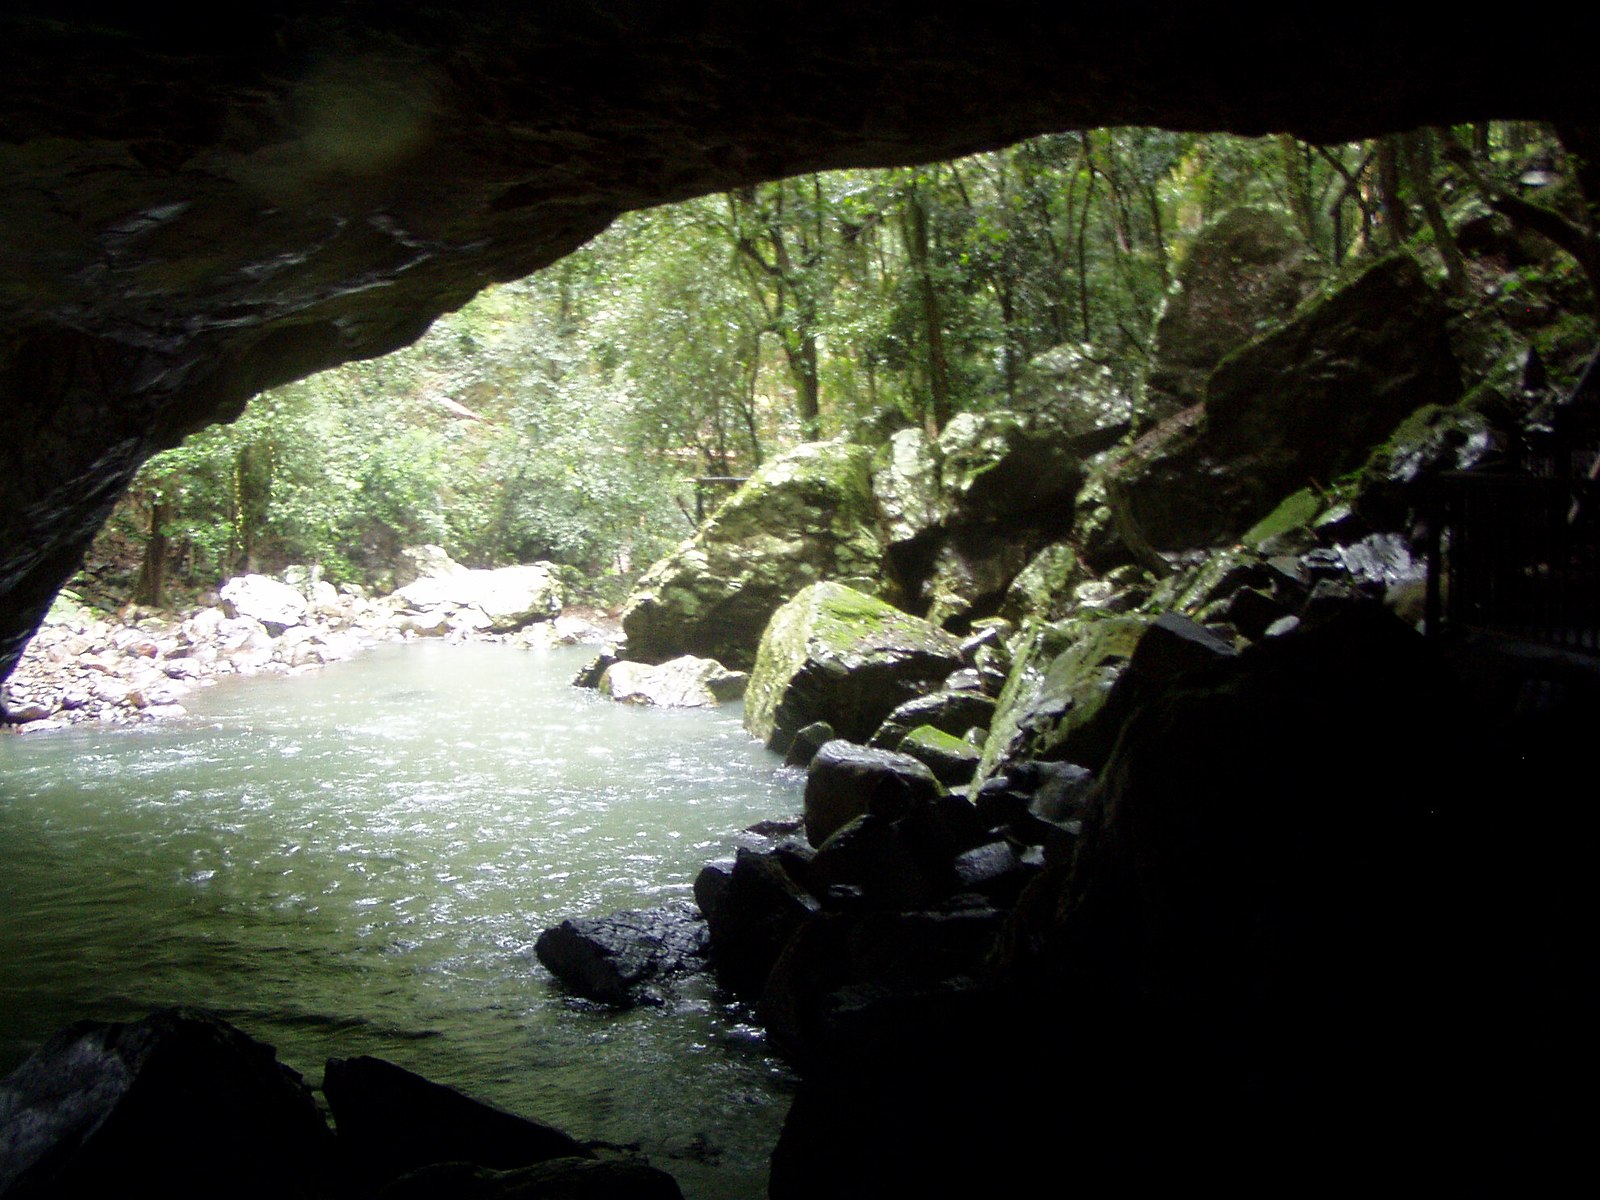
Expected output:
(140, 664)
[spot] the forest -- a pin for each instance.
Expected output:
(566, 416)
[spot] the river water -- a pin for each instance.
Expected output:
(358, 862)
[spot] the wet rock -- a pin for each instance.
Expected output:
(615, 959)
(752, 910)
(684, 682)
(839, 961)
(557, 1179)
(391, 1121)
(953, 712)
(806, 744)
(805, 516)
(873, 862)
(951, 759)
(180, 1103)
(993, 870)
(845, 780)
(590, 674)
(837, 655)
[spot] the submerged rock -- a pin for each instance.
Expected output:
(614, 959)
(685, 682)
(834, 654)
(178, 1104)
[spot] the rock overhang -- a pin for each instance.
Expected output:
(193, 212)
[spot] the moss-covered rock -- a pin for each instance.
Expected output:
(1302, 404)
(964, 513)
(1062, 676)
(805, 516)
(1042, 590)
(1077, 394)
(952, 760)
(1243, 276)
(838, 655)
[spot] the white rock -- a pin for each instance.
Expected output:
(686, 682)
(276, 605)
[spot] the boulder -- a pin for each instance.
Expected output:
(1243, 275)
(845, 780)
(613, 959)
(837, 655)
(507, 598)
(276, 605)
(391, 1121)
(1303, 403)
(849, 954)
(180, 1103)
(805, 516)
(1043, 588)
(424, 562)
(752, 908)
(1074, 392)
(954, 712)
(684, 682)
(806, 743)
(951, 759)
(963, 513)
(1256, 966)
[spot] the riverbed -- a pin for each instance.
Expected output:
(358, 861)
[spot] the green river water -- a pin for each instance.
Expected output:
(358, 861)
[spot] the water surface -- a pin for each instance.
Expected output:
(358, 862)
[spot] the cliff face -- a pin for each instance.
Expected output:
(190, 214)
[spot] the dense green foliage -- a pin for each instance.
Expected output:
(563, 416)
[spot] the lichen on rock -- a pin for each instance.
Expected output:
(836, 654)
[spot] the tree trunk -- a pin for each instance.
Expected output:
(1419, 165)
(917, 245)
(149, 589)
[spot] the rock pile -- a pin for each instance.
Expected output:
(81, 667)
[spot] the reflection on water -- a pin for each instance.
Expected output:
(359, 861)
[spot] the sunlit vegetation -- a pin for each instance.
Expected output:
(563, 416)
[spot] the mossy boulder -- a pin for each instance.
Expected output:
(838, 655)
(951, 759)
(1078, 395)
(1062, 678)
(1305, 403)
(805, 516)
(1243, 276)
(1043, 588)
(963, 513)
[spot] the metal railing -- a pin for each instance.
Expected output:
(1516, 555)
(716, 486)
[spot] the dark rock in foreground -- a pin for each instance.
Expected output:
(845, 781)
(178, 1104)
(391, 1122)
(558, 1179)
(612, 959)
